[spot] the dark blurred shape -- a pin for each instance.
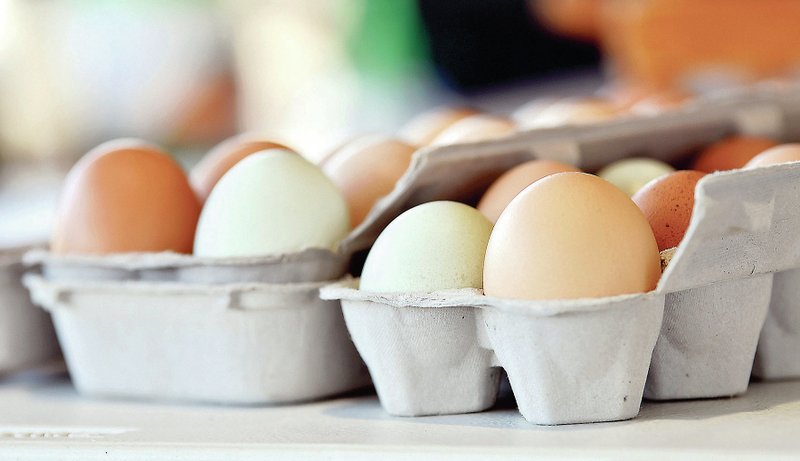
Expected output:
(478, 43)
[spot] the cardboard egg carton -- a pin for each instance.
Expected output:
(246, 343)
(26, 334)
(588, 360)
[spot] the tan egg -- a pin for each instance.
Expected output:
(366, 170)
(477, 128)
(731, 153)
(205, 175)
(126, 196)
(667, 203)
(513, 181)
(784, 153)
(578, 111)
(568, 236)
(423, 128)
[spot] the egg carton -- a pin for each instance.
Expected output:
(572, 361)
(26, 334)
(250, 343)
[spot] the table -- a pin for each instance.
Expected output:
(42, 417)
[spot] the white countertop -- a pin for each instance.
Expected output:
(42, 417)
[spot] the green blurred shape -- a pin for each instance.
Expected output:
(389, 40)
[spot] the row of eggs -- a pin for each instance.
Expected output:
(253, 197)
(568, 235)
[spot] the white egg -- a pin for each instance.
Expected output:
(273, 202)
(434, 246)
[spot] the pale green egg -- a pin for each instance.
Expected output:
(273, 202)
(631, 174)
(434, 246)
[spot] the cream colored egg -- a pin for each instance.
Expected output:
(434, 246)
(481, 127)
(572, 112)
(631, 174)
(273, 202)
(568, 236)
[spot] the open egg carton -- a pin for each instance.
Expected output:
(727, 291)
(167, 326)
(26, 334)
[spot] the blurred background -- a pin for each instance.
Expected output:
(188, 73)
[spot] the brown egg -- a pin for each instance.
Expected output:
(481, 127)
(126, 196)
(423, 128)
(223, 157)
(731, 153)
(513, 181)
(667, 203)
(779, 154)
(568, 236)
(367, 169)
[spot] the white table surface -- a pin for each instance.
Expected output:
(42, 417)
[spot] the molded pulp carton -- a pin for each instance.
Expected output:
(26, 334)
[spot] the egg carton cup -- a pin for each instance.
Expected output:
(440, 353)
(26, 334)
(778, 355)
(243, 344)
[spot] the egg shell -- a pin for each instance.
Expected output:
(512, 182)
(434, 246)
(569, 236)
(731, 153)
(273, 202)
(425, 127)
(477, 128)
(223, 157)
(632, 174)
(125, 196)
(784, 153)
(367, 169)
(667, 202)
(577, 111)
(532, 109)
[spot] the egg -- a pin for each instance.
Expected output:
(433, 246)
(223, 157)
(125, 196)
(569, 236)
(367, 169)
(532, 109)
(783, 153)
(272, 202)
(481, 127)
(512, 182)
(423, 128)
(631, 174)
(667, 203)
(731, 153)
(577, 111)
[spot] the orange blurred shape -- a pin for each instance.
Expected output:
(689, 43)
(576, 18)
